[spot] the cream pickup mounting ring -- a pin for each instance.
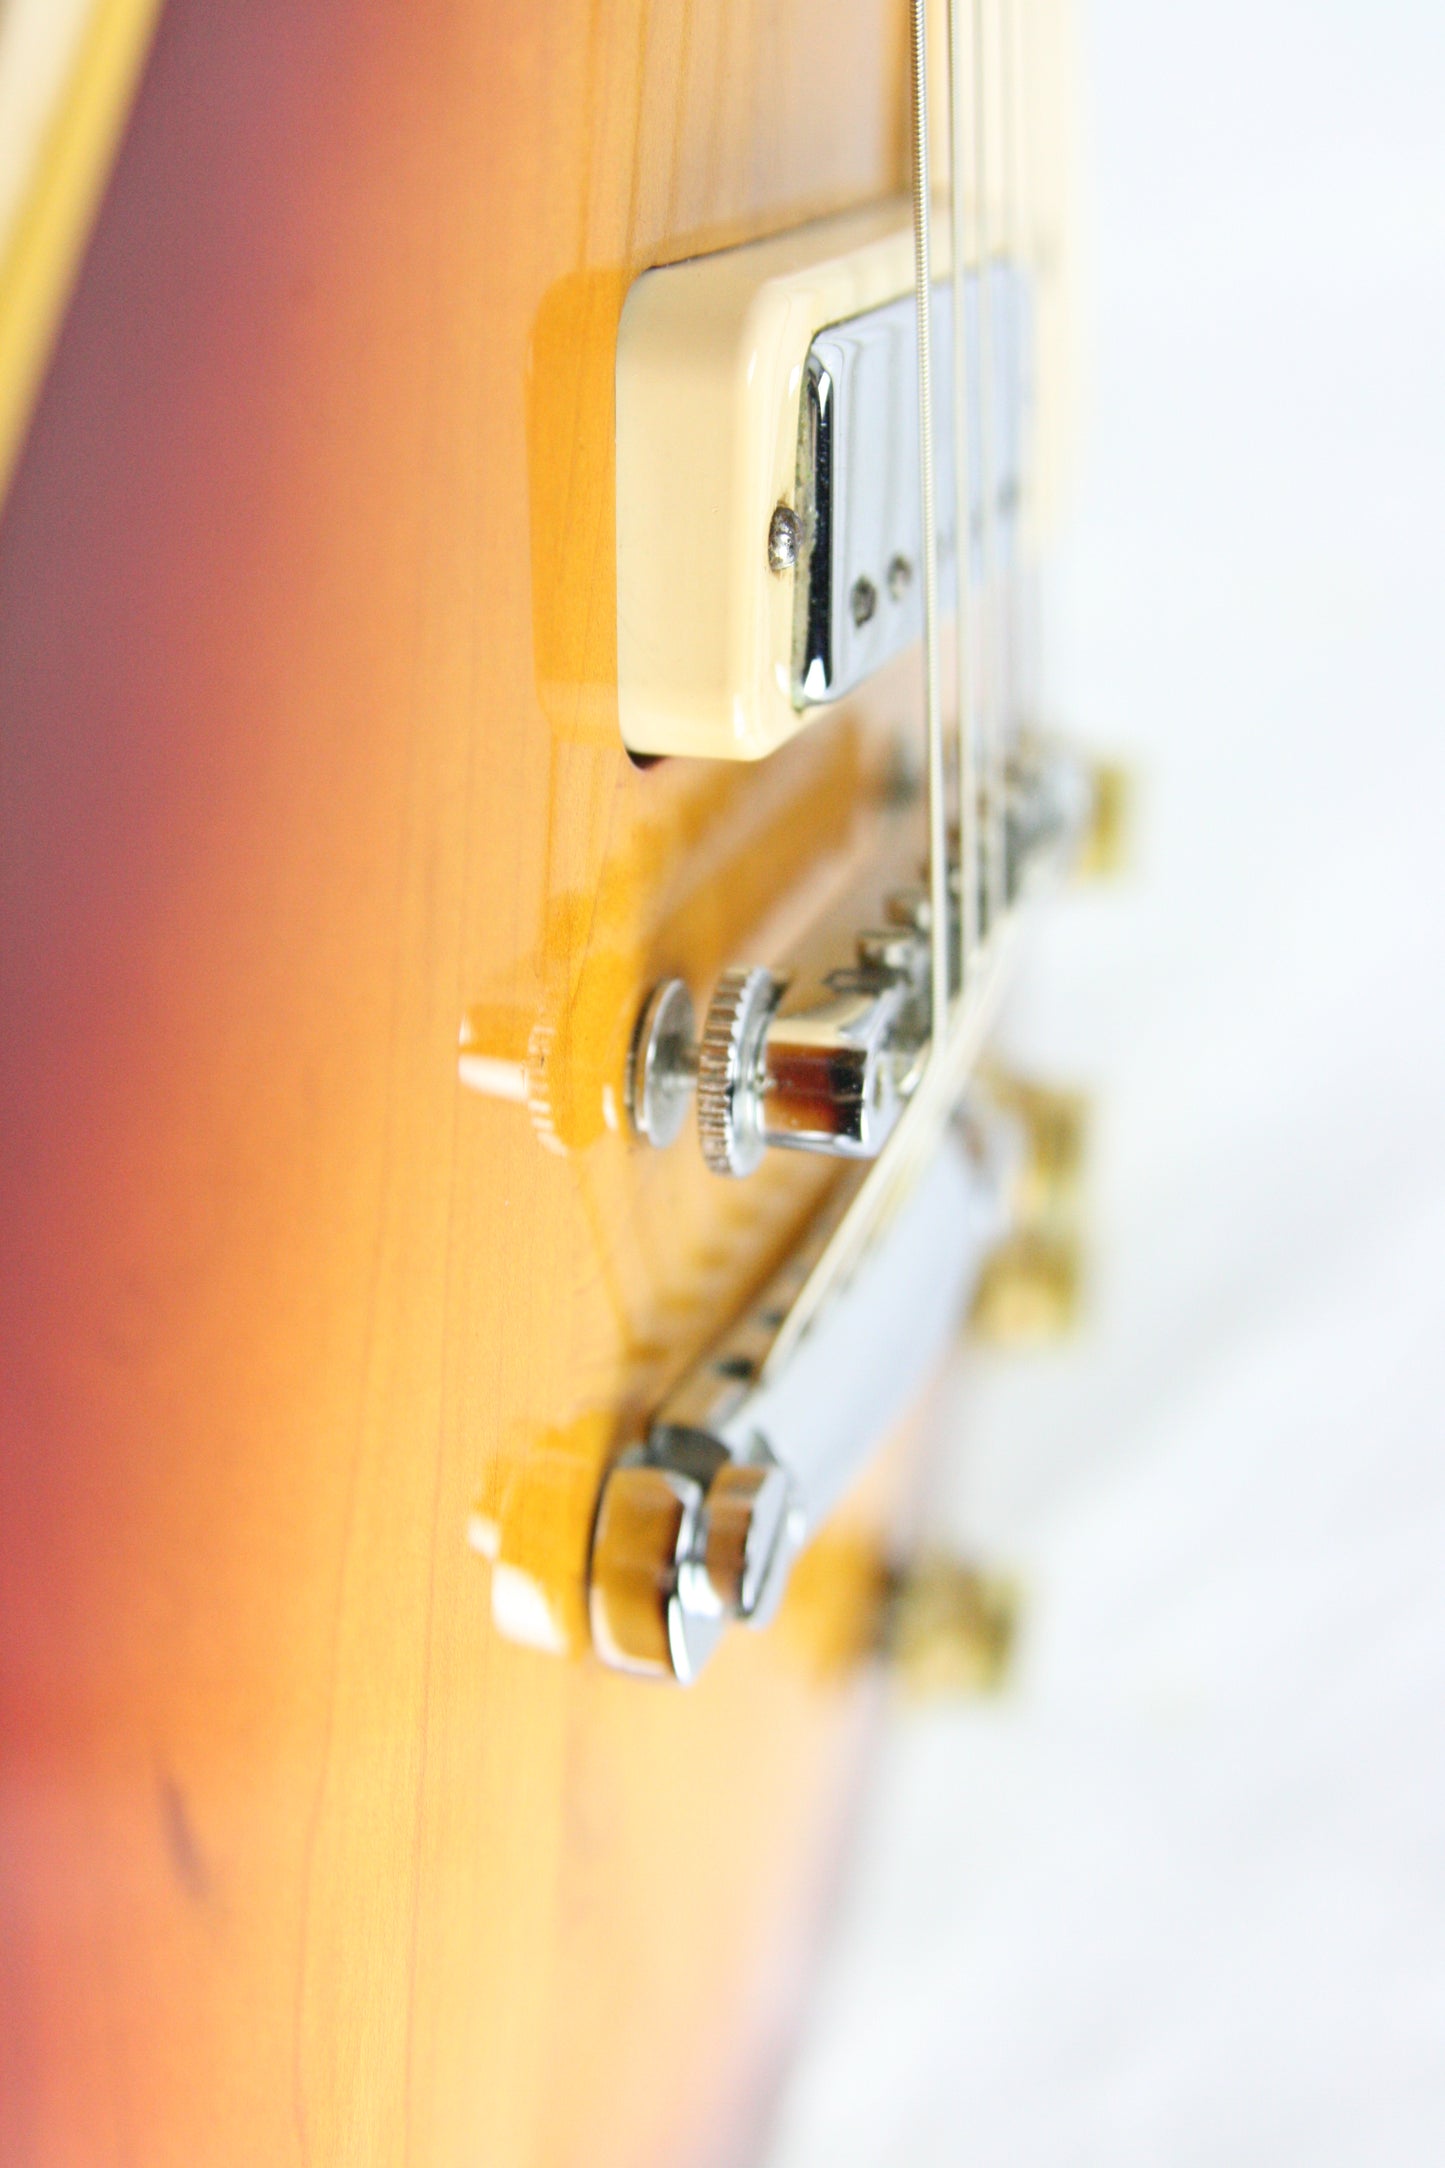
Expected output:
(768, 517)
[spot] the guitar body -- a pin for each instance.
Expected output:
(323, 1836)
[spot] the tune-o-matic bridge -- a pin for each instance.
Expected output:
(815, 1067)
(826, 1062)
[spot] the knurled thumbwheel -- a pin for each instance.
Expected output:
(541, 1084)
(729, 1069)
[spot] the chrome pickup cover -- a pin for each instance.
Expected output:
(857, 595)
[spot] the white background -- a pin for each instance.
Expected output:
(1179, 1897)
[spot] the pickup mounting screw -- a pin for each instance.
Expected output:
(785, 539)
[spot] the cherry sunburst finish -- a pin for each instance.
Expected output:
(311, 770)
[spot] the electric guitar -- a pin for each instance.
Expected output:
(521, 789)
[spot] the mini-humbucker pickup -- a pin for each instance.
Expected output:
(769, 529)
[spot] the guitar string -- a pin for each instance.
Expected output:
(990, 688)
(1021, 648)
(968, 843)
(889, 1178)
(1007, 332)
(881, 1183)
(932, 692)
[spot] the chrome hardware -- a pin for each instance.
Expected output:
(1049, 802)
(700, 1523)
(662, 1063)
(827, 1063)
(685, 1543)
(894, 952)
(752, 1526)
(856, 600)
(785, 539)
(730, 1069)
(812, 1068)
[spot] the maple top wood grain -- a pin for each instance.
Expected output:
(308, 756)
